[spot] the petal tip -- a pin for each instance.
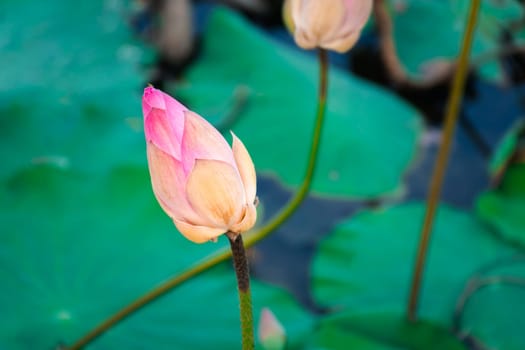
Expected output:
(152, 98)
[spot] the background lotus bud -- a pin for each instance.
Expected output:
(271, 332)
(328, 24)
(205, 186)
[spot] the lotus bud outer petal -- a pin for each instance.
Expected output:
(159, 131)
(198, 234)
(163, 121)
(329, 24)
(202, 141)
(343, 44)
(169, 184)
(247, 221)
(198, 179)
(246, 168)
(215, 192)
(271, 333)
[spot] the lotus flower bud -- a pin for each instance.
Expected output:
(270, 331)
(328, 24)
(206, 187)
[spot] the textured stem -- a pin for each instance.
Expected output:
(242, 271)
(251, 238)
(442, 158)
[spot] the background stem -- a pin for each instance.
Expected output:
(251, 237)
(242, 271)
(436, 182)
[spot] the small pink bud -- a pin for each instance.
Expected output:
(271, 332)
(206, 187)
(328, 24)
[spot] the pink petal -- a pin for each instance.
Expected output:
(216, 193)
(164, 132)
(152, 98)
(202, 141)
(169, 184)
(357, 14)
(246, 168)
(198, 234)
(270, 328)
(163, 121)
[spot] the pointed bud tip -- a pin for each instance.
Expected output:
(153, 98)
(271, 332)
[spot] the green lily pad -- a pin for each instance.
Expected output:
(503, 207)
(382, 331)
(334, 337)
(369, 136)
(366, 263)
(494, 313)
(442, 39)
(74, 249)
(506, 149)
(70, 90)
(504, 213)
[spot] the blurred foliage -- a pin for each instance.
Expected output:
(430, 30)
(352, 265)
(491, 312)
(382, 331)
(81, 234)
(280, 104)
(504, 206)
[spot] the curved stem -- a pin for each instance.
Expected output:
(251, 238)
(442, 158)
(242, 271)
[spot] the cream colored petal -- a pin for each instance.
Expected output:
(304, 40)
(341, 44)
(246, 168)
(216, 193)
(169, 184)
(247, 222)
(294, 9)
(198, 234)
(321, 19)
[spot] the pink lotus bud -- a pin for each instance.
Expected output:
(271, 332)
(329, 24)
(205, 186)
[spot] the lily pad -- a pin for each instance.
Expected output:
(442, 39)
(366, 263)
(369, 136)
(74, 249)
(71, 85)
(504, 213)
(382, 331)
(506, 149)
(494, 313)
(503, 207)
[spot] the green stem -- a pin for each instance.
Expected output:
(242, 271)
(436, 182)
(251, 237)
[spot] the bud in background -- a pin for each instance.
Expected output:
(271, 332)
(328, 24)
(205, 186)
